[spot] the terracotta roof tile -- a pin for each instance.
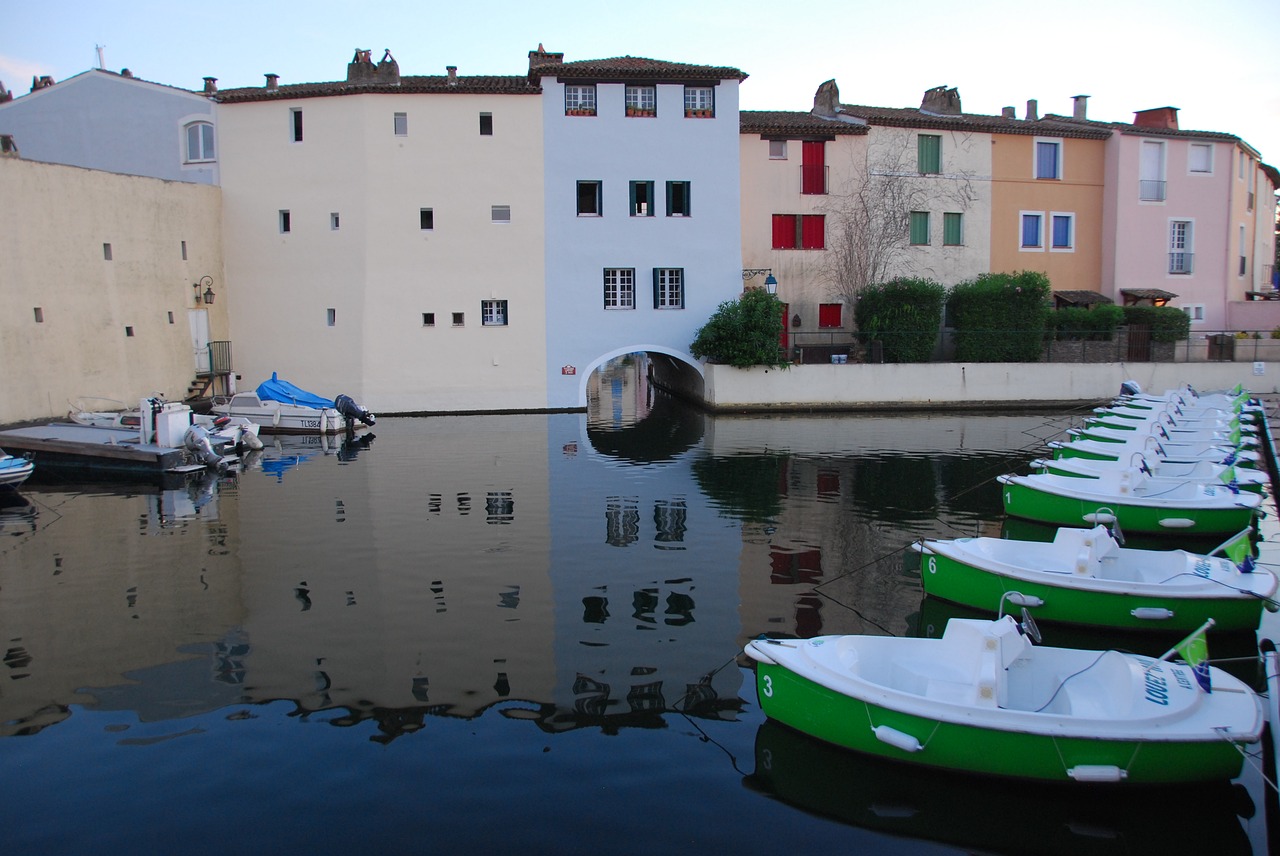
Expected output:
(634, 68)
(1142, 130)
(912, 117)
(791, 123)
(408, 85)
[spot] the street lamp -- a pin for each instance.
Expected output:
(205, 282)
(770, 283)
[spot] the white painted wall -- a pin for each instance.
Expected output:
(101, 120)
(53, 260)
(616, 149)
(379, 271)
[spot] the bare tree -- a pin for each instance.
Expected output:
(869, 217)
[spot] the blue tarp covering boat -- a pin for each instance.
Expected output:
(283, 391)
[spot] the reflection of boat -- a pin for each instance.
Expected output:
(983, 699)
(993, 815)
(14, 470)
(1139, 502)
(1084, 576)
(279, 407)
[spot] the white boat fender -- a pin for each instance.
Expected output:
(1097, 773)
(1152, 613)
(897, 739)
(1177, 523)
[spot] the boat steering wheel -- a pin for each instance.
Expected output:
(1029, 627)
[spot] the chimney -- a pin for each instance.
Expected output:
(361, 68)
(5, 95)
(1033, 110)
(388, 68)
(273, 82)
(453, 74)
(1009, 113)
(210, 86)
(1157, 117)
(826, 101)
(1081, 108)
(124, 72)
(542, 57)
(42, 82)
(941, 101)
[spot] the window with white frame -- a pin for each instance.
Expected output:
(1200, 158)
(668, 288)
(1181, 247)
(200, 142)
(1048, 159)
(777, 150)
(1151, 181)
(580, 100)
(699, 101)
(641, 100)
(400, 124)
(619, 288)
(1062, 232)
(493, 313)
(1031, 235)
(1195, 311)
(295, 125)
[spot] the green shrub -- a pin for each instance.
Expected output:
(1097, 324)
(743, 332)
(905, 315)
(1000, 317)
(1167, 323)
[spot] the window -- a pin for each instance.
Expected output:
(1151, 172)
(919, 228)
(184, 251)
(829, 315)
(500, 214)
(106, 252)
(1032, 231)
(619, 288)
(642, 101)
(799, 231)
(428, 319)
(1181, 247)
(285, 221)
(589, 201)
(1062, 232)
(333, 221)
(952, 229)
(678, 204)
(668, 288)
(777, 150)
(1048, 159)
(813, 167)
(699, 101)
(295, 125)
(641, 199)
(1200, 158)
(1195, 311)
(1240, 165)
(493, 313)
(459, 319)
(41, 318)
(580, 100)
(1244, 258)
(486, 124)
(331, 317)
(929, 154)
(199, 142)
(426, 219)
(40, 315)
(400, 123)
(128, 332)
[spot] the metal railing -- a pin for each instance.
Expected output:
(1181, 263)
(1150, 190)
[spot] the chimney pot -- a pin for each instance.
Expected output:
(1081, 107)
(1033, 110)
(453, 74)
(273, 81)
(210, 85)
(1009, 113)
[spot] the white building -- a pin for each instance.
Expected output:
(642, 209)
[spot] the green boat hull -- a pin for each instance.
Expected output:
(844, 721)
(951, 580)
(1022, 501)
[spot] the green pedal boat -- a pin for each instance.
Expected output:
(983, 699)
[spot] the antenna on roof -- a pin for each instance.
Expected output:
(99, 48)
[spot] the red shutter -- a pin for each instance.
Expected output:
(813, 232)
(813, 167)
(829, 314)
(784, 231)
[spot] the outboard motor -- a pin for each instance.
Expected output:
(197, 440)
(351, 411)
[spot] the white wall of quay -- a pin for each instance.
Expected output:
(946, 385)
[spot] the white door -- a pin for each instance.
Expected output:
(199, 321)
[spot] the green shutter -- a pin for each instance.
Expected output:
(952, 235)
(655, 287)
(929, 153)
(920, 227)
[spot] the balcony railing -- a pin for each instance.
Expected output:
(1181, 263)
(813, 179)
(1150, 190)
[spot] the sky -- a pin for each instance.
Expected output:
(1215, 60)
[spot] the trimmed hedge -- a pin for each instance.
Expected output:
(1000, 317)
(1076, 323)
(903, 314)
(743, 332)
(1167, 323)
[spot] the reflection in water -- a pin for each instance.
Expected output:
(583, 576)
